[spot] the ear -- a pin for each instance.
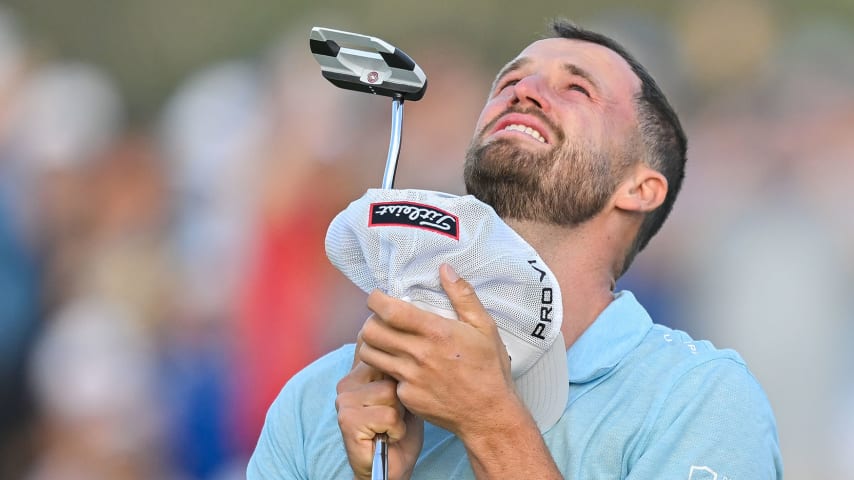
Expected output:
(642, 191)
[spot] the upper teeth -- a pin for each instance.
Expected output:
(530, 131)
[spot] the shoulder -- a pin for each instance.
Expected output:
(326, 370)
(681, 358)
(301, 424)
(688, 369)
(709, 395)
(700, 406)
(313, 388)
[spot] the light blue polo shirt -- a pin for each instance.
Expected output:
(645, 402)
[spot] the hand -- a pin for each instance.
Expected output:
(453, 373)
(367, 404)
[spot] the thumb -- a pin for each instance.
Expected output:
(464, 299)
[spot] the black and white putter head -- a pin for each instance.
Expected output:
(367, 64)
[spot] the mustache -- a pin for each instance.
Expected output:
(559, 134)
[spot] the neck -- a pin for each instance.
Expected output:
(579, 259)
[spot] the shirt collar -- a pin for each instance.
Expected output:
(617, 331)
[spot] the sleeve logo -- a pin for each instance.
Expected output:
(702, 473)
(414, 215)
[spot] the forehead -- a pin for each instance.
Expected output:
(605, 65)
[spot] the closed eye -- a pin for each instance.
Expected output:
(579, 88)
(506, 83)
(508, 75)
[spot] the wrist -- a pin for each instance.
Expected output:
(495, 453)
(495, 424)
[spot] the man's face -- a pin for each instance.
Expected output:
(556, 134)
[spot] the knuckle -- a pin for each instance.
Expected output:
(404, 392)
(417, 354)
(402, 371)
(388, 417)
(368, 330)
(343, 385)
(441, 331)
(397, 372)
(374, 298)
(466, 289)
(387, 388)
(394, 310)
(344, 420)
(439, 334)
(342, 400)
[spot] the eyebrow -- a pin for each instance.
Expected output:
(580, 72)
(510, 68)
(570, 68)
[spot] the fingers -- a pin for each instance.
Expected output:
(360, 374)
(403, 316)
(359, 342)
(464, 299)
(394, 327)
(406, 317)
(370, 408)
(377, 345)
(368, 405)
(395, 366)
(370, 422)
(395, 313)
(399, 332)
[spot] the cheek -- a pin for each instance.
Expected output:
(482, 120)
(487, 116)
(493, 108)
(622, 123)
(598, 129)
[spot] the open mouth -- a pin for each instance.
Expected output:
(527, 123)
(518, 127)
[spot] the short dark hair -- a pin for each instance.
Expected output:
(660, 131)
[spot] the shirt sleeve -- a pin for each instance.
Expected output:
(714, 424)
(278, 453)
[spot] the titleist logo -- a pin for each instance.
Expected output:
(415, 215)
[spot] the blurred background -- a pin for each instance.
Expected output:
(168, 170)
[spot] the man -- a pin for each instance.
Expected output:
(577, 150)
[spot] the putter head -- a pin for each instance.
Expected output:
(366, 64)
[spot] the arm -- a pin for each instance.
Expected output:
(498, 455)
(456, 374)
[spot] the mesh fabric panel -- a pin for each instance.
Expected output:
(403, 261)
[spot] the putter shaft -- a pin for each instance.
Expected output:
(394, 142)
(368, 64)
(379, 468)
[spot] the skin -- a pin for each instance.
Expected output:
(412, 365)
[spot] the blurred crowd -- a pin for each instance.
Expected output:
(160, 283)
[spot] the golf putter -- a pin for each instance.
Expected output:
(367, 64)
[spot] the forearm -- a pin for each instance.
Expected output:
(511, 449)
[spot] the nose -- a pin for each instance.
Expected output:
(531, 89)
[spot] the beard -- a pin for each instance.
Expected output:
(564, 186)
